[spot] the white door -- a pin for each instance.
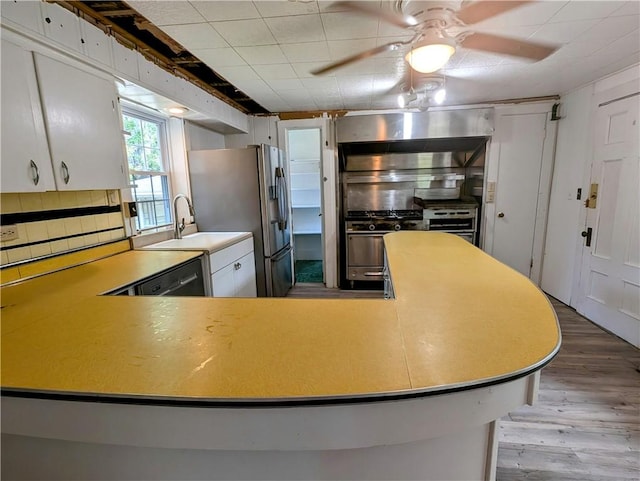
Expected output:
(518, 190)
(610, 276)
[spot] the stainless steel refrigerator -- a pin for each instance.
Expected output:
(246, 190)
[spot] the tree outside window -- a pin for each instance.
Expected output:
(144, 138)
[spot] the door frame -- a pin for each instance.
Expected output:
(544, 187)
(581, 275)
(328, 192)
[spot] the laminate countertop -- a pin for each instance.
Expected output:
(460, 319)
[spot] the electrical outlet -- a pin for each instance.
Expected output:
(113, 197)
(9, 232)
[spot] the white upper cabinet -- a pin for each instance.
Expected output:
(26, 165)
(83, 124)
(62, 26)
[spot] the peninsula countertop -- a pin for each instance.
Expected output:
(460, 319)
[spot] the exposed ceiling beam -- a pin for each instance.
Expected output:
(119, 13)
(127, 31)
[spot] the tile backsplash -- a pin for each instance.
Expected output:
(56, 222)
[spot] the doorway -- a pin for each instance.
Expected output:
(517, 191)
(609, 284)
(304, 151)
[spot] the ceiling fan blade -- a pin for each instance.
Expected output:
(508, 46)
(481, 10)
(354, 58)
(402, 21)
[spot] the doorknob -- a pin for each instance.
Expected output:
(587, 235)
(501, 214)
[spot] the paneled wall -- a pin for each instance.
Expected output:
(55, 222)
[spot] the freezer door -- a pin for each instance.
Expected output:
(275, 200)
(279, 275)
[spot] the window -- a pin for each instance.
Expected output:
(146, 152)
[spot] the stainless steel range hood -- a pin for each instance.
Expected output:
(449, 138)
(443, 124)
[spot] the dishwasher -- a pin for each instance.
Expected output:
(184, 280)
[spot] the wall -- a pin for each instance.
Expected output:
(563, 230)
(262, 130)
(55, 222)
(201, 138)
(563, 248)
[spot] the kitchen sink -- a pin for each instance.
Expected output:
(202, 241)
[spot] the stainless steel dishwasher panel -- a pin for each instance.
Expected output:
(184, 280)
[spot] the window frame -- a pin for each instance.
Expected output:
(165, 162)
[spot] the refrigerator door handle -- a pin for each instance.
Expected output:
(285, 199)
(282, 198)
(283, 253)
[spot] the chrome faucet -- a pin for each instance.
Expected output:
(178, 227)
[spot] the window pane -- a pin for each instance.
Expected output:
(134, 127)
(151, 135)
(135, 156)
(153, 161)
(145, 154)
(152, 197)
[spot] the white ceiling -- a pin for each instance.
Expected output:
(267, 49)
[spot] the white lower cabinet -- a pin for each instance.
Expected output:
(233, 271)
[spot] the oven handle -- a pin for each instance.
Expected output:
(374, 274)
(370, 232)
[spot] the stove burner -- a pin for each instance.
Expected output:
(405, 214)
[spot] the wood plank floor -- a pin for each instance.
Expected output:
(586, 423)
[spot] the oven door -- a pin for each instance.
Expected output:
(365, 256)
(468, 236)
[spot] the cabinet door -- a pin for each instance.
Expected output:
(83, 126)
(245, 276)
(223, 282)
(26, 165)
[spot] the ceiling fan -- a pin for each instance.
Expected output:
(438, 30)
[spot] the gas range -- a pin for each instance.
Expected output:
(383, 220)
(384, 215)
(365, 230)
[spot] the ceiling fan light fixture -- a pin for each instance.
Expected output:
(405, 98)
(439, 96)
(431, 55)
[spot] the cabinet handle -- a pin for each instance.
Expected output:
(65, 172)
(237, 266)
(36, 172)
